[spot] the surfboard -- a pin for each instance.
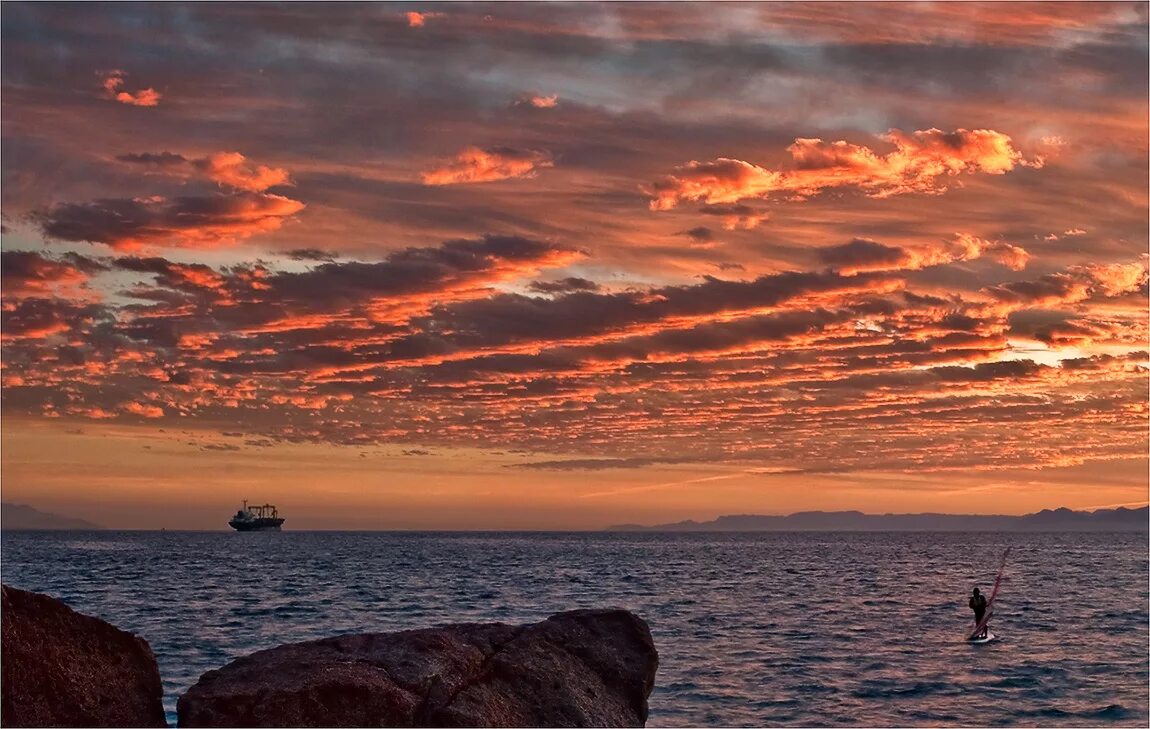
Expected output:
(986, 639)
(990, 601)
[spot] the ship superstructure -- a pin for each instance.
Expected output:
(265, 518)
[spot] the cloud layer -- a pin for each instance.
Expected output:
(906, 237)
(423, 347)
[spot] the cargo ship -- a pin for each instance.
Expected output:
(256, 519)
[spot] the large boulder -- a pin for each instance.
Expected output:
(62, 668)
(579, 668)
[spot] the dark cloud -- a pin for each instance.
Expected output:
(29, 272)
(219, 447)
(990, 371)
(38, 318)
(736, 216)
(181, 222)
(862, 252)
(466, 263)
(564, 285)
(509, 317)
(157, 159)
(311, 254)
(699, 234)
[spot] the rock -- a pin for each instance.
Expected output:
(579, 668)
(62, 668)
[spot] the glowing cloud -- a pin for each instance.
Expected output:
(919, 162)
(418, 20)
(1076, 284)
(538, 101)
(867, 255)
(488, 165)
(113, 84)
(143, 410)
(226, 168)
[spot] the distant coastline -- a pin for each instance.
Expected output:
(1120, 519)
(22, 516)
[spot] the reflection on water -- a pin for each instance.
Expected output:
(752, 629)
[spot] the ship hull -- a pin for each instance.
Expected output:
(257, 525)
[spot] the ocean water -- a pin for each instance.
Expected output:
(811, 629)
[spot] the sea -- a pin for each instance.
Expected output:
(752, 629)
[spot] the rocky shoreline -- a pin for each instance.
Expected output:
(577, 668)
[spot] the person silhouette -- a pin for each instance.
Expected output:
(978, 605)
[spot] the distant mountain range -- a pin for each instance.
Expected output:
(1054, 520)
(20, 516)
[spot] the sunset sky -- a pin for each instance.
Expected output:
(564, 266)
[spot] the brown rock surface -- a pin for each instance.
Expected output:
(63, 668)
(579, 668)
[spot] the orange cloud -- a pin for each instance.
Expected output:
(143, 410)
(113, 83)
(187, 277)
(488, 165)
(1066, 233)
(417, 20)
(1076, 284)
(230, 168)
(867, 255)
(226, 168)
(538, 101)
(95, 413)
(1115, 279)
(918, 163)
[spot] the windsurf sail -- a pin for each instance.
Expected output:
(990, 600)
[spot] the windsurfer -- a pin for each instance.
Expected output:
(978, 605)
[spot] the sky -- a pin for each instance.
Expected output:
(561, 266)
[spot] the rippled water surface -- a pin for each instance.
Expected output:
(752, 629)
